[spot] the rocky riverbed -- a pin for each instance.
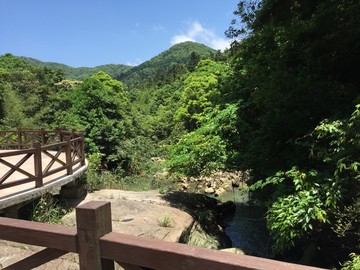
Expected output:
(216, 184)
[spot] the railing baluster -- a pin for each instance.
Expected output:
(82, 148)
(43, 138)
(69, 169)
(19, 139)
(38, 165)
(42, 142)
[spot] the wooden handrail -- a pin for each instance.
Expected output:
(98, 247)
(24, 138)
(37, 143)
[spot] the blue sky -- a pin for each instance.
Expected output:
(93, 32)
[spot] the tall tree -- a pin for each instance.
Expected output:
(295, 64)
(201, 93)
(99, 107)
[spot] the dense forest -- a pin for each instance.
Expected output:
(283, 102)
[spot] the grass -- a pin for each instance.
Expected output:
(154, 178)
(166, 221)
(48, 210)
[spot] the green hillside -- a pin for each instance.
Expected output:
(80, 73)
(175, 58)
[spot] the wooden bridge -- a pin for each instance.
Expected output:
(34, 162)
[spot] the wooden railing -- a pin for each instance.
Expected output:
(98, 247)
(36, 143)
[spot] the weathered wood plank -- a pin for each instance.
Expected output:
(17, 182)
(17, 152)
(36, 259)
(163, 255)
(38, 165)
(15, 167)
(132, 267)
(39, 234)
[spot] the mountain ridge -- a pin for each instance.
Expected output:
(178, 55)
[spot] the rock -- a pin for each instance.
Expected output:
(198, 237)
(205, 211)
(185, 186)
(220, 191)
(11, 252)
(234, 250)
(227, 187)
(139, 214)
(209, 190)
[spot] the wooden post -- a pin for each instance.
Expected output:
(61, 137)
(43, 138)
(38, 164)
(93, 221)
(73, 133)
(82, 148)
(69, 169)
(19, 138)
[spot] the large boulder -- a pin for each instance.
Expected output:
(177, 217)
(141, 214)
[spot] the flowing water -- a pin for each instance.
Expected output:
(246, 227)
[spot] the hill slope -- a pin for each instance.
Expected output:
(178, 55)
(80, 73)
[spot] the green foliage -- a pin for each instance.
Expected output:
(293, 68)
(97, 178)
(193, 61)
(291, 217)
(206, 147)
(303, 202)
(166, 221)
(99, 107)
(26, 91)
(13, 115)
(165, 66)
(201, 93)
(353, 263)
(48, 210)
(80, 73)
(197, 153)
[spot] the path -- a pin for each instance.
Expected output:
(25, 192)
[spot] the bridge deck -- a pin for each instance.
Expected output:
(25, 192)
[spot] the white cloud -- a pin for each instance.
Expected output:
(197, 32)
(180, 38)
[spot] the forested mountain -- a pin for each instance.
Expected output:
(167, 63)
(80, 73)
(282, 103)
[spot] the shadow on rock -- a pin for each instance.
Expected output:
(208, 212)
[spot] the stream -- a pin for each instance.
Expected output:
(246, 228)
